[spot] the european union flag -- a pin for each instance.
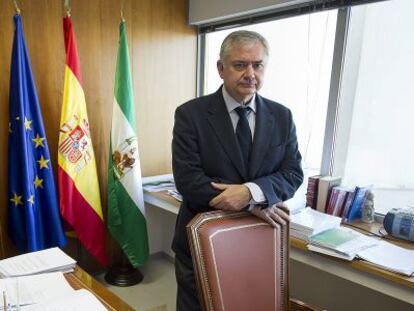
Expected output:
(34, 220)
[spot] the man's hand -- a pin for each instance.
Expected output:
(278, 213)
(232, 198)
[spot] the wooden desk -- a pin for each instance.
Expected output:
(81, 279)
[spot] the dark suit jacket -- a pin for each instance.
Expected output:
(205, 149)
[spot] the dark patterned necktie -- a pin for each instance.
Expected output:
(243, 134)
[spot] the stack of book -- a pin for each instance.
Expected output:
(338, 198)
(325, 194)
(326, 183)
(312, 191)
(347, 203)
(308, 222)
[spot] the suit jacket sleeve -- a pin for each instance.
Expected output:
(282, 184)
(190, 178)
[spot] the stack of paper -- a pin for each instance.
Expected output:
(158, 183)
(158, 186)
(390, 257)
(310, 222)
(176, 195)
(48, 260)
(32, 289)
(341, 242)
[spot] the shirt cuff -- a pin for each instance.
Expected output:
(257, 193)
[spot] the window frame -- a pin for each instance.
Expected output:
(335, 81)
(342, 83)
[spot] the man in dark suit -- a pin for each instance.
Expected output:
(232, 150)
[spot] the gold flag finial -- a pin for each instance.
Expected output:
(122, 11)
(67, 7)
(16, 7)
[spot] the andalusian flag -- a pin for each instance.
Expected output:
(80, 202)
(126, 213)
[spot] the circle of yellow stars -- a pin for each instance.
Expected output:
(42, 162)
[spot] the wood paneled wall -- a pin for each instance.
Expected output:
(163, 59)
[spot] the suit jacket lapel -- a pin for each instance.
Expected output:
(220, 121)
(262, 136)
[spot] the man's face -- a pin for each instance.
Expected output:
(242, 70)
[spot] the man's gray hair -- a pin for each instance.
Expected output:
(242, 37)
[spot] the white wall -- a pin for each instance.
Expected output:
(161, 225)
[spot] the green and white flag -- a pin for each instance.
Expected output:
(126, 210)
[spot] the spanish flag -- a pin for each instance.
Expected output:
(80, 202)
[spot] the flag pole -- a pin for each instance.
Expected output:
(123, 274)
(126, 209)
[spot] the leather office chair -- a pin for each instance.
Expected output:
(241, 263)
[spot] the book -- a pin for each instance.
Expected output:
(333, 197)
(355, 208)
(337, 200)
(343, 241)
(312, 191)
(349, 245)
(309, 222)
(330, 252)
(347, 205)
(326, 183)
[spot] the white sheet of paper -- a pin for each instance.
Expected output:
(390, 257)
(52, 259)
(33, 289)
(79, 300)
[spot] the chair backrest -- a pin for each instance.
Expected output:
(240, 262)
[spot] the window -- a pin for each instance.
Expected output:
(373, 110)
(297, 75)
(379, 148)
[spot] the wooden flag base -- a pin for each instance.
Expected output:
(124, 275)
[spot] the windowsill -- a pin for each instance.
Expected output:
(358, 271)
(376, 228)
(360, 265)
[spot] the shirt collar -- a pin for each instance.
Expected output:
(232, 104)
